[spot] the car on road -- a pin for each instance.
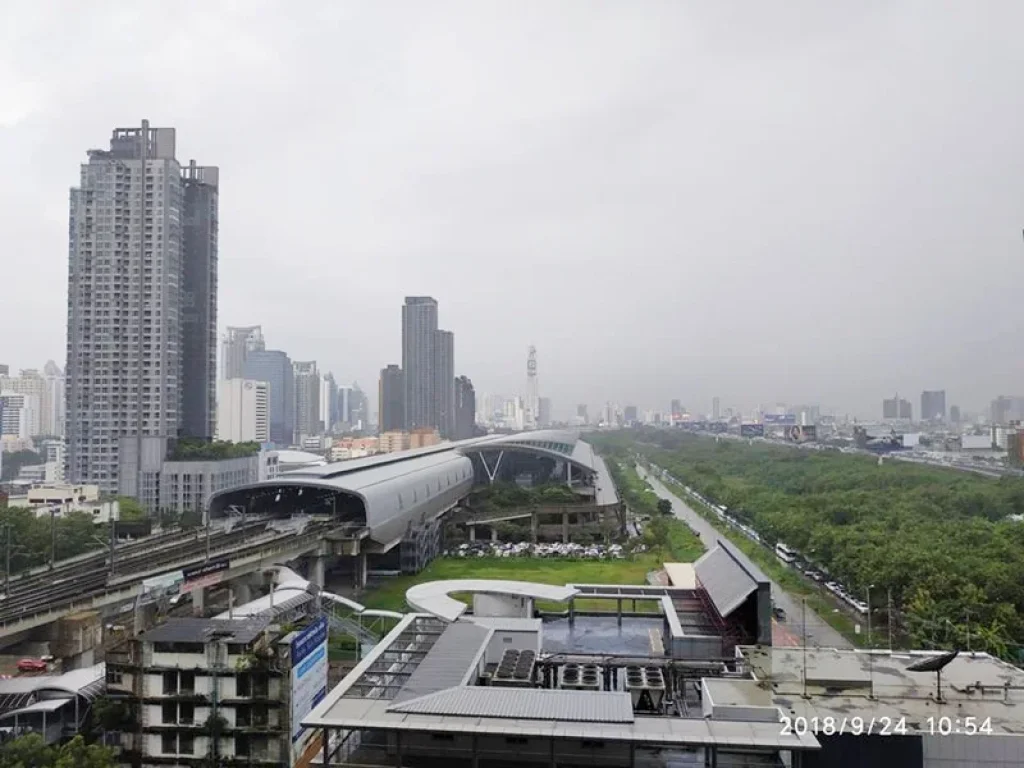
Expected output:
(778, 613)
(31, 665)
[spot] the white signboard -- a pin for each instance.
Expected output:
(309, 678)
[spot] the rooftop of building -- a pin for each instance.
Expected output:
(875, 684)
(199, 630)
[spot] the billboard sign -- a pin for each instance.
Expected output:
(309, 678)
(718, 427)
(204, 575)
(779, 419)
(803, 433)
(751, 430)
(159, 587)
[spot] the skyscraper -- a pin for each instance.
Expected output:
(715, 408)
(419, 329)
(677, 411)
(235, 347)
(199, 302)
(275, 368)
(328, 403)
(243, 410)
(444, 382)
(581, 414)
(139, 241)
(544, 412)
(933, 405)
(391, 399)
(465, 409)
(307, 399)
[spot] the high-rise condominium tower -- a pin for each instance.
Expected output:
(235, 348)
(142, 300)
(419, 328)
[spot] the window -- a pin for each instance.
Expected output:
(516, 740)
(170, 683)
(186, 713)
(169, 714)
(442, 737)
(188, 682)
(186, 744)
(169, 743)
(591, 744)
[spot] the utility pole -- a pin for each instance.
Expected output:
(804, 643)
(53, 536)
(869, 614)
(967, 620)
(888, 614)
(7, 560)
(113, 539)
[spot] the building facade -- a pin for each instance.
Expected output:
(235, 347)
(199, 302)
(185, 486)
(243, 411)
(19, 415)
(444, 387)
(127, 267)
(419, 330)
(391, 399)
(465, 409)
(544, 412)
(933, 405)
(275, 368)
(307, 400)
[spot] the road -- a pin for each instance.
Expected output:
(819, 633)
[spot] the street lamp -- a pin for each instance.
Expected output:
(869, 613)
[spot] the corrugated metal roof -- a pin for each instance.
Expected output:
(606, 494)
(449, 661)
(727, 582)
(198, 630)
(524, 703)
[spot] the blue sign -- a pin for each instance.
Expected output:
(309, 678)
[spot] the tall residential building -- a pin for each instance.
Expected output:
(359, 407)
(544, 411)
(199, 302)
(307, 399)
(1006, 409)
(138, 245)
(630, 414)
(954, 414)
(716, 408)
(19, 415)
(52, 418)
(391, 399)
(465, 408)
(275, 367)
(444, 382)
(37, 420)
(243, 410)
(897, 408)
(328, 403)
(419, 330)
(933, 405)
(581, 414)
(677, 411)
(235, 348)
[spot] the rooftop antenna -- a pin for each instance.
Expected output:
(935, 664)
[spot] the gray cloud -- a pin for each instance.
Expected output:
(800, 202)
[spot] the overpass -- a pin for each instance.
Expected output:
(353, 509)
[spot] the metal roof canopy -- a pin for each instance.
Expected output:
(727, 581)
(434, 597)
(450, 662)
(524, 703)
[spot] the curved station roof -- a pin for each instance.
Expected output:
(435, 597)
(387, 493)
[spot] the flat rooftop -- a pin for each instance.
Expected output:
(848, 683)
(197, 630)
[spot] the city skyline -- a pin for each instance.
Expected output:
(844, 196)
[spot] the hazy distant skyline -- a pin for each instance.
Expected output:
(805, 202)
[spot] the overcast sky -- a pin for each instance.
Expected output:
(795, 201)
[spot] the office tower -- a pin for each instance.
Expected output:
(359, 408)
(906, 411)
(1006, 409)
(391, 399)
(307, 399)
(419, 329)
(715, 408)
(444, 386)
(465, 408)
(896, 408)
(199, 302)
(328, 403)
(954, 414)
(933, 405)
(544, 411)
(581, 414)
(236, 346)
(243, 410)
(28, 382)
(531, 387)
(677, 411)
(138, 243)
(275, 368)
(630, 415)
(4, 370)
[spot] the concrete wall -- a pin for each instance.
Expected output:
(499, 605)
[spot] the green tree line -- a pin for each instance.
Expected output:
(944, 542)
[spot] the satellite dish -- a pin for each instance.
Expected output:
(934, 664)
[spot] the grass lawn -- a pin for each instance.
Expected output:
(391, 594)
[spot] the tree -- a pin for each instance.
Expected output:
(29, 751)
(77, 754)
(665, 506)
(130, 509)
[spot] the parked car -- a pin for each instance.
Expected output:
(31, 665)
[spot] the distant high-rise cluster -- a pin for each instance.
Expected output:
(933, 405)
(426, 377)
(142, 306)
(897, 408)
